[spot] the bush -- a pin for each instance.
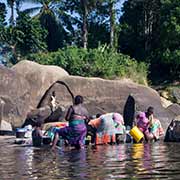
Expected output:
(100, 62)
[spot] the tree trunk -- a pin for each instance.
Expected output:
(85, 30)
(112, 23)
(12, 13)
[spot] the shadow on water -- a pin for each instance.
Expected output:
(125, 161)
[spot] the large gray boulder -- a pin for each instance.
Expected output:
(30, 85)
(101, 96)
(40, 77)
(15, 96)
(176, 94)
(174, 108)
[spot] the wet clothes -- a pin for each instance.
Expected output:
(76, 132)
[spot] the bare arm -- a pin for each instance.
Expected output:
(40, 133)
(69, 112)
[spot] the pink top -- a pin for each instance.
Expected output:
(142, 122)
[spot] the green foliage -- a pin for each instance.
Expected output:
(56, 34)
(98, 34)
(25, 37)
(169, 50)
(33, 35)
(100, 62)
(172, 60)
(139, 28)
(47, 11)
(150, 32)
(2, 15)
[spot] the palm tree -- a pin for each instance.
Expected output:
(83, 8)
(47, 12)
(43, 7)
(11, 4)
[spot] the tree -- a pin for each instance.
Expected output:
(2, 16)
(82, 9)
(98, 34)
(2, 29)
(150, 31)
(139, 28)
(167, 56)
(11, 4)
(47, 12)
(111, 11)
(33, 36)
(112, 22)
(25, 37)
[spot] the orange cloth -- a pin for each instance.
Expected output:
(105, 139)
(95, 123)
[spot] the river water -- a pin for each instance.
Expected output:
(109, 162)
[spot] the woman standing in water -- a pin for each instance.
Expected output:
(75, 133)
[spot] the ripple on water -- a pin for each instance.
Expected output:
(125, 161)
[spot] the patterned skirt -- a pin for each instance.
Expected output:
(75, 133)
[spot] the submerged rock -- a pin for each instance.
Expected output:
(173, 131)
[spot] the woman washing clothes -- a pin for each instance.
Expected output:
(155, 127)
(143, 124)
(150, 126)
(75, 133)
(107, 126)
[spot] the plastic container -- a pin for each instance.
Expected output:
(88, 140)
(20, 132)
(136, 134)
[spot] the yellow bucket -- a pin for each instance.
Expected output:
(136, 134)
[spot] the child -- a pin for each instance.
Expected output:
(37, 135)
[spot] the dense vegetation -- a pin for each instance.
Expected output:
(96, 37)
(99, 62)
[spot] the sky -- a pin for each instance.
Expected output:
(24, 6)
(29, 5)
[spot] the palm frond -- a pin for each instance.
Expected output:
(32, 10)
(30, 1)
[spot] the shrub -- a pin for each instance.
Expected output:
(101, 62)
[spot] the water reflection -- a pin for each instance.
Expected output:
(141, 160)
(125, 161)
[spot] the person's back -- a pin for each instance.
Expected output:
(75, 133)
(79, 111)
(37, 135)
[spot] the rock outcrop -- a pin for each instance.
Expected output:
(31, 85)
(101, 96)
(15, 96)
(40, 77)
(174, 108)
